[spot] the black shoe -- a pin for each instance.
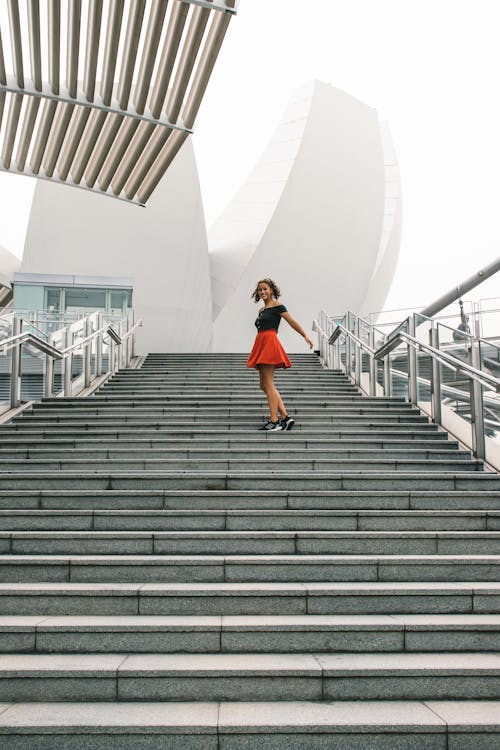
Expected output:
(272, 426)
(287, 423)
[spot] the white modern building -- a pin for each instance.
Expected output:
(9, 264)
(320, 214)
(162, 249)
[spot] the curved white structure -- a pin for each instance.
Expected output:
(313, 215)
(162, 248)
(9, 264)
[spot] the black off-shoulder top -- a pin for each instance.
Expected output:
(270, 318)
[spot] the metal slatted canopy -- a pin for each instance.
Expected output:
(101, 94)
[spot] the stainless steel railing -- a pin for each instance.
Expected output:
(450, 375)
(87, 349)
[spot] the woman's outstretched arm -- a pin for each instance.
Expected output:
(297, 327)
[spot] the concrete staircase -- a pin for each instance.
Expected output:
(170, 577)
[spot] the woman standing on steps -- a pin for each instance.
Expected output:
(267, 353)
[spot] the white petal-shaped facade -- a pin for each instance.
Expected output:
(313, 216)
(162, 248)
(9, 264)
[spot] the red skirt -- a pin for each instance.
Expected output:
(267, 350)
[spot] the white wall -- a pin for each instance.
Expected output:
(9, 264)
(311, 216)
(162, 247)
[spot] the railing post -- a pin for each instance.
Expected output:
(348, 362)
(477, 320)
(68, 363)
(336, 355)
(111, 355)
(387, 375)
(87, 353)
(15, 372)
(476, 402)
(98, 348)
(321, 339)
(329, 347)
(48, 374)
(358, 354)
(132, 345)
(435, 378)
(120, 347)
(373, 366)
(129, 341)
(412, 364)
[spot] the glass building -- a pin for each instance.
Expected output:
(75, 295)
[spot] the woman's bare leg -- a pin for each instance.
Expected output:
(273, 396)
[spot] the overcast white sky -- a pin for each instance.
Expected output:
(430, 67)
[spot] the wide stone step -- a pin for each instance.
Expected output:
(202, 422)
(252, 443)
(255, 634)
(247, 520)
(218, 406)
(225, 366)
(234, 389)
(249, 598)
(219, 363)
(283, 725)
(190, 451)
(219, 420)
(251, 543)
(80, 568)
(155, 546)
(219, 393)
(296, 376)
(303, 387)
(192, 408)
(286, 462)
(394, 432)
(247, 677)
(147, 429)
(276, 500)
(145, 395)
(272, 480)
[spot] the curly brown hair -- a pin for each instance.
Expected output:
(271, 284)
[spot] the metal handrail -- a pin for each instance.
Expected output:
(395, 338)
(55, 352)
(33, 325)
(355, 348)
(76, 336)
(456, 364)
(341, 329)
(131, 330)
(33, 340)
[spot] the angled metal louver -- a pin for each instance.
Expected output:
(101, 94)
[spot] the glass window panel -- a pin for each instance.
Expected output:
(398, 359)
(116, 301)
(5, 367)
(53, 298)
(85, 300)
(28, 297)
